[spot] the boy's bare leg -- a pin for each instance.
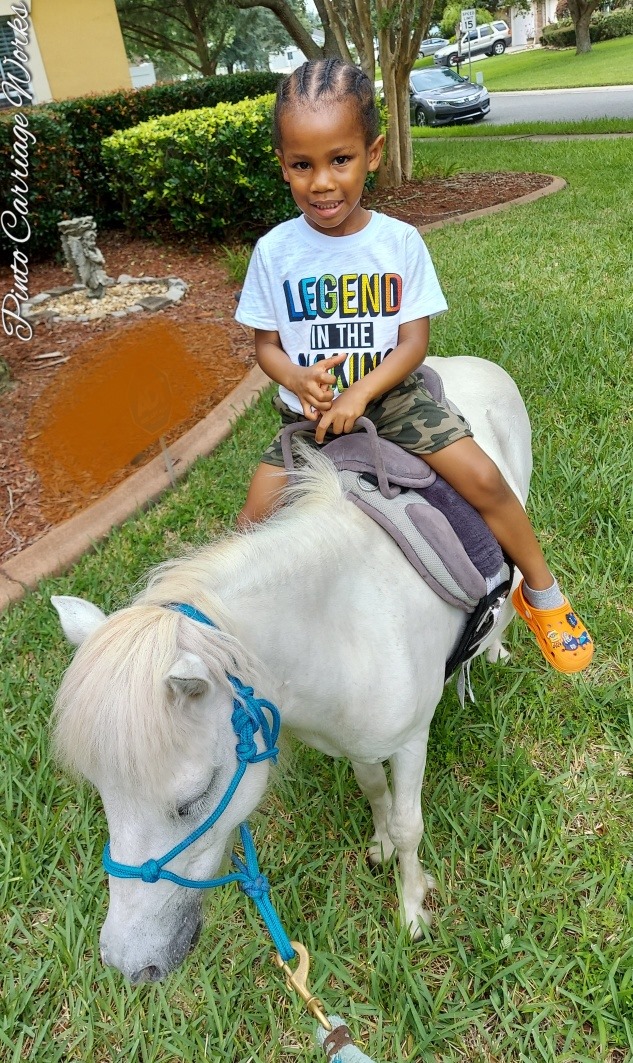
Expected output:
(263, 494)
(467, 468)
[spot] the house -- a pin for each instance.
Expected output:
(74, 47)
(527, 26)
(292, 57)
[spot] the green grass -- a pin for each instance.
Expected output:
(588, 127)
(528, 798)
(608, 63)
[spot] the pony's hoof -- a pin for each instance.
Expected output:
(497, 652)
(378, 854)
(431, 884)
(415, 929)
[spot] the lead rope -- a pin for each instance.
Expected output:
(332, 1033)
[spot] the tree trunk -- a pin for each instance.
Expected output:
(334, 44)
(583, 40)
(290, 22)
(400, 29)
(581, 12)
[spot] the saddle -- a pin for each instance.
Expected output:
(443, 536)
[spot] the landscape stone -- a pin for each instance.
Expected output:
(40, 317)
(41, 298)
(63, 289)
(175, 294)
(155, 302)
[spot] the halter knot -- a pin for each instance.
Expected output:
(256, 887)
(245, 727)
(150, 871)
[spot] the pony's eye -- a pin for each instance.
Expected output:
(196, 805)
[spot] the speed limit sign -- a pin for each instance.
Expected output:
(468, 19)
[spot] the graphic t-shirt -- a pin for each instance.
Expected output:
(327, 295)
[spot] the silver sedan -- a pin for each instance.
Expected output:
(431, 45)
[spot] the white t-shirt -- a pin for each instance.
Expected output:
(328, 294)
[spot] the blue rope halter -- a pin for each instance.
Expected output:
(248, 718)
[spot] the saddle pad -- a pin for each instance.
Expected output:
(427, 540)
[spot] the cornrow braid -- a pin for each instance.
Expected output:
(320, 81)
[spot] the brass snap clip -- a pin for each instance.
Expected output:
(298, 980)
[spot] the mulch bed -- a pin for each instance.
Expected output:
(437, 199)
(31, 504)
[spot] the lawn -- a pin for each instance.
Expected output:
(528, 799)
(588, 127)
(608, 63)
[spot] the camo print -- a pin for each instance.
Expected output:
(407, 415)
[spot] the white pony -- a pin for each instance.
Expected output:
(323, 615)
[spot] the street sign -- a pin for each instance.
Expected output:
(468, 19)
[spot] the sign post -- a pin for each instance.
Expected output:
(468, 22)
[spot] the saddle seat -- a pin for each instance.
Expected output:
(441, 534)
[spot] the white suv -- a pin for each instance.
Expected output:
(492, 38)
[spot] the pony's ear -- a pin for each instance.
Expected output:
(188, 676)
(79, 618)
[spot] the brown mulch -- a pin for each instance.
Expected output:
(31, 503)
(421, 202)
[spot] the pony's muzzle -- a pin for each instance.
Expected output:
(150, 964)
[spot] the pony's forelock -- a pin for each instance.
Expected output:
(113, 715)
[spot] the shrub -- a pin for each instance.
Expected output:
(206, 171)
(562, 35)
(54, 190)
(91, 118)
(608, 27)
(601, 28)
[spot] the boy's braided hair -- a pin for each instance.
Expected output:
(321, 81)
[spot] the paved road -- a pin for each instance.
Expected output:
(552, 105)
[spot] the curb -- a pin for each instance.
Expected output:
(557, 185)
(61, 547)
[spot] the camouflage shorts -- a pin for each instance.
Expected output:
(407, 415)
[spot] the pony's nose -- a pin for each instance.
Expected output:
(147, 974)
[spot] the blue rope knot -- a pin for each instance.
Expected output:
(150, 871)
(246, 750)
(256, 887)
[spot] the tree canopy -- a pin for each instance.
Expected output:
(200, 34)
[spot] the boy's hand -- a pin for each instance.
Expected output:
(313, 385)
(343, 414)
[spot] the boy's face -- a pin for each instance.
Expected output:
(325, 160)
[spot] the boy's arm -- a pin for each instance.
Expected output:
(311, 384)
(407, 355)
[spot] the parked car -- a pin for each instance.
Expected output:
(492, 38)
(441, 96)
(431, 45)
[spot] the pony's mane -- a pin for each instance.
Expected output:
(112, 713)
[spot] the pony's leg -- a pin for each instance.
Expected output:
(373, 782)
(406, 826)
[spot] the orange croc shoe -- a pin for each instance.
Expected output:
(563, 639)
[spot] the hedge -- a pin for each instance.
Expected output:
(54, 190)
(91, 118)
(204, 171)
(601, 28)
(65, 176)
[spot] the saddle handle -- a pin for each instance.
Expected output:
(361, 422)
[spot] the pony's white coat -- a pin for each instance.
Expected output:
(320, 611)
